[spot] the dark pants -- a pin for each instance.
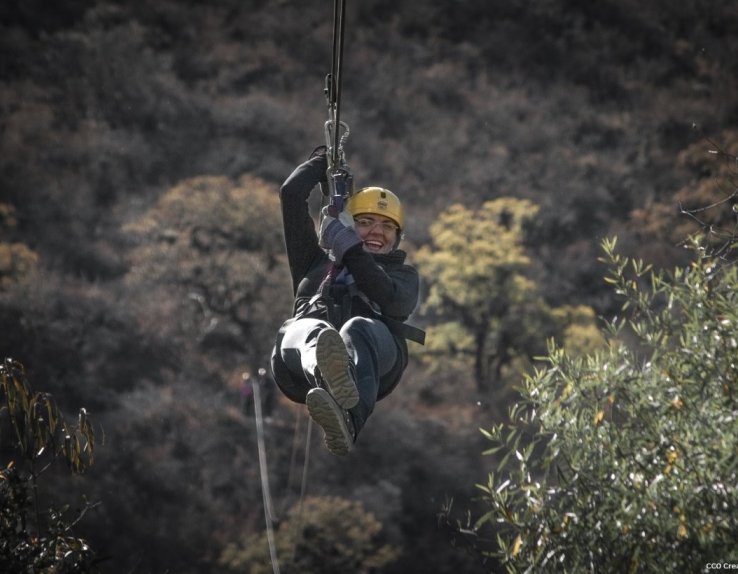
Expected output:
(369, 343)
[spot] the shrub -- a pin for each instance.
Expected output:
(625, 460)
(327, 535)
(32, 540)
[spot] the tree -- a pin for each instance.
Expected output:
(624, 460)
(326, 535)
(476, 283)
(210, 253)
(661, 226)
(480, 303)
(32, 539)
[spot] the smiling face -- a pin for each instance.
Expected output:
(378, 233)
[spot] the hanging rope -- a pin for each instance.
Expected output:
(296, 442)
(308, 440)
(264, 474)
(297, 533)
(269, 514)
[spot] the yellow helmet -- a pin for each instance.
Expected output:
(378, 201)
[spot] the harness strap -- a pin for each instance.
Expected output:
(400, 328)
(409, 332)
(338, 312)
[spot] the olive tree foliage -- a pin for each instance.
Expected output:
(209, 256)
(482, 306)
(33, 435)
(624, 460)
(326, 535)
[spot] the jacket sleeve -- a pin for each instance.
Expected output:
(301, 239)
(395, 291)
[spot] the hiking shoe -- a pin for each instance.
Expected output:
(335, 368)
(328, 415)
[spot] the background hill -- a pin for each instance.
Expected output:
(142, 275)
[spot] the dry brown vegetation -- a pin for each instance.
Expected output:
(141, 271)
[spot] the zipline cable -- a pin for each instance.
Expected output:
(340, 179)
(333, 84)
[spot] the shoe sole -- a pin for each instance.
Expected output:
(333, 364)
(328, 415)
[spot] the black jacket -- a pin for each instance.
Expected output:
(386, 280)
(388, 286)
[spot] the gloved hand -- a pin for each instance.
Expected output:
(321, 152)
(337, 234)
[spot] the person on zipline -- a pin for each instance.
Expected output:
(344, 347)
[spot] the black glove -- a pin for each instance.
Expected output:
(321, 152)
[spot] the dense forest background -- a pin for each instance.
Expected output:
(142, 274)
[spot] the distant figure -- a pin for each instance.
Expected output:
(344, 347)
(246, 390)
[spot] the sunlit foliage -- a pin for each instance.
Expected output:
(474, 268)
(483, 309)
(624, 460)
(329, 535)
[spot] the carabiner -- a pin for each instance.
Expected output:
(335, 154)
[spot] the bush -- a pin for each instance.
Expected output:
(624, 460)
(327, 535)
(32, 540)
